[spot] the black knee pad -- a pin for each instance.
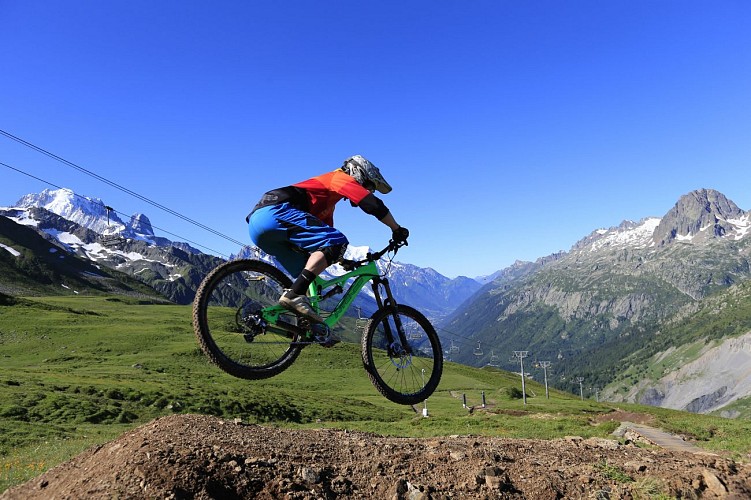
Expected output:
(333, 253)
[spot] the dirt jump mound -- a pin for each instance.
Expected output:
(191, 456)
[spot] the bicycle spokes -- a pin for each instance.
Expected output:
(402, 354)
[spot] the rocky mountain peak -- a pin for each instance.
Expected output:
(140, 224)
(88, 212)
(702, 211)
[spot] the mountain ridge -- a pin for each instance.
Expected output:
(582, 309)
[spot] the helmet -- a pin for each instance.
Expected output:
(365, 173)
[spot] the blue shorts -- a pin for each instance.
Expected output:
(291, 235)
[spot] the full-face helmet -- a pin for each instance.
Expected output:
(366, 174)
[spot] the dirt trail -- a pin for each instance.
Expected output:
(191, 456)
(657, 437)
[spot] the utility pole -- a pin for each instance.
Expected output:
(521, 355)
(545, 365)
(581, 390)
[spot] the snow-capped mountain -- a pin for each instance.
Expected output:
(94, 214)
(697, 217)
(90, 213)
(85, 227)
(627, 234)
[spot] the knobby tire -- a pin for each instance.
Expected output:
(233, 291)
(399, 376)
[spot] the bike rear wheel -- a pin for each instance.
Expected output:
(229, 329)
(404, 374)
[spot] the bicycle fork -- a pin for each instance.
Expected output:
(401, 347)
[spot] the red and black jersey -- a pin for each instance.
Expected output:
(319, 196)
(325, 191)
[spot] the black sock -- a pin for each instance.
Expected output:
(301, 284)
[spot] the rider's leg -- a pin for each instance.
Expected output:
(271, 235)
(302, 243)
(313, 267)
(295, 298)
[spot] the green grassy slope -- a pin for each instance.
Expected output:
(78, 371)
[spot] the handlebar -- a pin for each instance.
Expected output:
(393, 246)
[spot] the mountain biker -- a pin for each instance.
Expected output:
(295, 224)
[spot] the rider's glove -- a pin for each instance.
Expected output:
(400, 235)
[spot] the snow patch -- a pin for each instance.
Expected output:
(639, 236)
(13, 251)
(742, 226)
(22, 217)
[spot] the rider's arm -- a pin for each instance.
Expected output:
(370, 204)
(390, 222)
(374, 206)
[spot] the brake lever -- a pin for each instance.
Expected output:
(349, 265)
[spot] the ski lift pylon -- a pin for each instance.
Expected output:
(108, 209)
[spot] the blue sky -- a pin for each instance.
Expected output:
(508, 129)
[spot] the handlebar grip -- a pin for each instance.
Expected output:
(348, 265)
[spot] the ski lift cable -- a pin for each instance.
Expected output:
(118, 186)
(181, 238)
(461, 339)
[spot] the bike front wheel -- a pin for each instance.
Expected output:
(402, 355)
(228, 324)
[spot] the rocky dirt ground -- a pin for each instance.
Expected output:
(191, 456)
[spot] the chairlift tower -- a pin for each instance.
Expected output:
(545, 365)
(581, 389)
(521, 355)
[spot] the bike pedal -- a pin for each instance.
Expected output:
(323, 335)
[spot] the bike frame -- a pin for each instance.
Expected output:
(362, 275)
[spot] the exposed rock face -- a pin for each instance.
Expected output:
(720, 375)
(704, 210)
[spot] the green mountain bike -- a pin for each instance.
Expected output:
(242, 328)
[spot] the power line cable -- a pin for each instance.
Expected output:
(118, 186)
(182, 238)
